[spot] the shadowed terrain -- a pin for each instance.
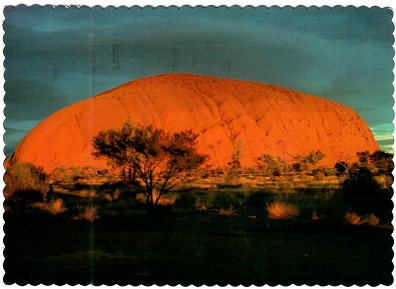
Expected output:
(199, 249)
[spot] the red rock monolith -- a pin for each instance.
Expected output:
(266, 119)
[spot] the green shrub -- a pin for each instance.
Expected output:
(364, 194)
(25, 182)
(205, 174)
(341, 168)
(269, 166)
(318, 175)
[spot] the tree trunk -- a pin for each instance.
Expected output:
(157, 200)
(149, 198)
(123, 175)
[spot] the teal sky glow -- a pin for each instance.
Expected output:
(55, 57)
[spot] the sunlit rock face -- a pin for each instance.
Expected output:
(266, 119)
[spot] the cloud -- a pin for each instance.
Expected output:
(383, 133)
(383, 128)
(386, 145)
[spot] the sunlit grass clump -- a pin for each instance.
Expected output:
(199, 206)
(54, 207)
(165, 200)
(230, 212)
(112, 197)
(90, 214)
(87, 193)
(281, 210)
(355, 219)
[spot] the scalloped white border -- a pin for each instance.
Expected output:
(117, 3)
(281, 3)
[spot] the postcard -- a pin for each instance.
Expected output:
(198, 145)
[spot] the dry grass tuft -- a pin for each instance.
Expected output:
(230, 212)
(140, 198)
(108, 197)
(116, 194)
(165, 200)
(112, 197)
(89, 214)
(54, 207)
(199, 206)
(316, 217)
(372, 220)
(281, 210)
(87, 194)
(355, 219)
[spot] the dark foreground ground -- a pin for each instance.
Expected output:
(197, 248)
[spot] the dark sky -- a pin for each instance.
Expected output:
(55, 57)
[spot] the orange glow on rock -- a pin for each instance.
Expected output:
(267, 119)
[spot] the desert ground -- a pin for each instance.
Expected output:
(218, 229)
